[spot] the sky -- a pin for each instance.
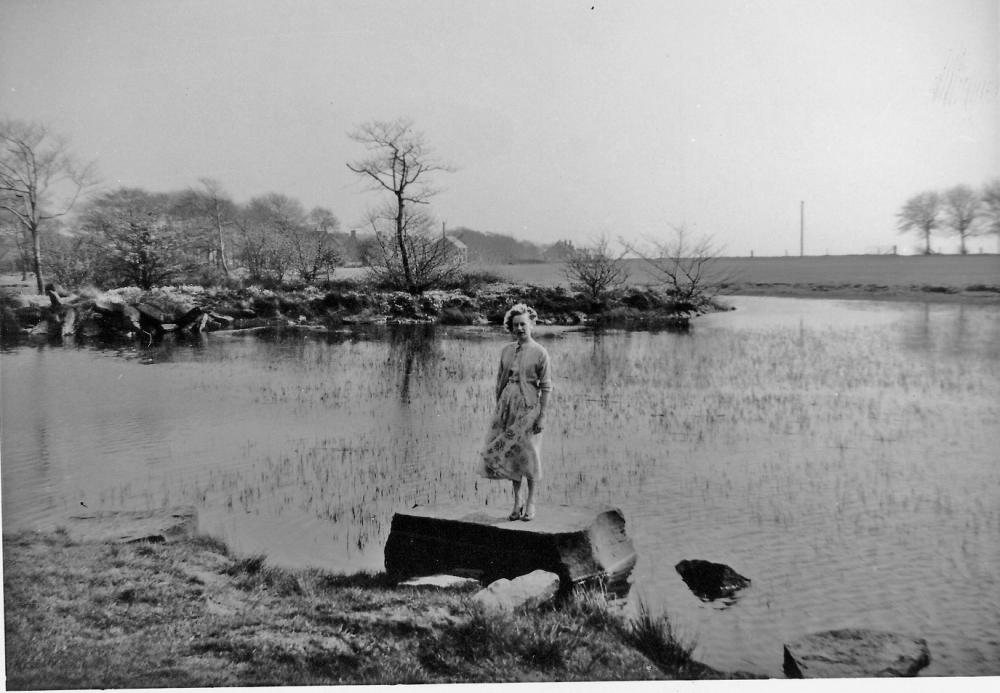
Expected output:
(562, 119)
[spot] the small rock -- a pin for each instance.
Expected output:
(853, 653)
(527, 591)
(442, 581)
(42, 327)
(710, 581)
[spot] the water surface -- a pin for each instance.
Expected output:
(840, 454)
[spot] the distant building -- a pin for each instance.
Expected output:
(457, 247)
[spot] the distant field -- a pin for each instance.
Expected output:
(892, 271)
(860, 276)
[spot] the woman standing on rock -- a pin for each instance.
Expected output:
(513, 445)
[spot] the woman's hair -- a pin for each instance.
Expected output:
(519, 309)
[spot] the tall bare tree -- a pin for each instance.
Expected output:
(399, 163)
(595, 270)
(36, 167)
(989, 208)
(432, 260)
(961, 205)
(921, 214)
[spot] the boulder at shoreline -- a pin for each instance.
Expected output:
(855, 653)
(579, 544)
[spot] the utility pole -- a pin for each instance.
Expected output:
(802, 228)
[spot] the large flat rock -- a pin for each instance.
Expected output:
(125, 526)
(852, 652)
(579, 544)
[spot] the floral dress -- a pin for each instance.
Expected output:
(512, 450)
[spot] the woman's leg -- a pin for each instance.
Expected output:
(529, 504)
(516, 512)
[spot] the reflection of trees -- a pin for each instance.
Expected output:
(957, 329)
(600, 361)
(411, 348)
(917, 331)
(961, 334)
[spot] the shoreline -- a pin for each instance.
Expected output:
(130, 313)
(185, 612)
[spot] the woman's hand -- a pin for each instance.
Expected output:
(539, 424)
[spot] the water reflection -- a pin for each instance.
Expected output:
(412, 346)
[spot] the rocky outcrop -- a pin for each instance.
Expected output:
(129, 312)
(524, 592)
(581, 545)
(710, 581)
(853, 653)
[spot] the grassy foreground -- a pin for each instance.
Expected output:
(183, 614)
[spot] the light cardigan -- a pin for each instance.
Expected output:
(532, 370)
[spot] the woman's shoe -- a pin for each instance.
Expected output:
(516, 514)
(529, 514)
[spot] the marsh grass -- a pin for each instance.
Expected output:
(654, 636)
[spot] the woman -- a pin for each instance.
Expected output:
(513, 445)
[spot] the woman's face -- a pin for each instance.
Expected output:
(520, 325)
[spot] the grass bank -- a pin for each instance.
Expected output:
(183, 614)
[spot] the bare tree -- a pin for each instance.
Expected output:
(684, 266)
(400, 163)
(313, 246)
(961, 204)
(921, 214)
(35, 167)
(266, 228)
(433, 261)
(214, 213)
(989, 209)
(595, 270)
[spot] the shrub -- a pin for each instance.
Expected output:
(456, 316)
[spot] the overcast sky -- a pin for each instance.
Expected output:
(563, 119)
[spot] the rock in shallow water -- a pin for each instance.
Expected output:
(854, 653)
(710, 581)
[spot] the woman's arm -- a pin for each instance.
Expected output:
(544, 380)
(498, 388)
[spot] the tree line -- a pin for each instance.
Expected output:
(64, 228)
(131, 236)
(960, 211)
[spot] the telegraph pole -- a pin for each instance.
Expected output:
(802, 228)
